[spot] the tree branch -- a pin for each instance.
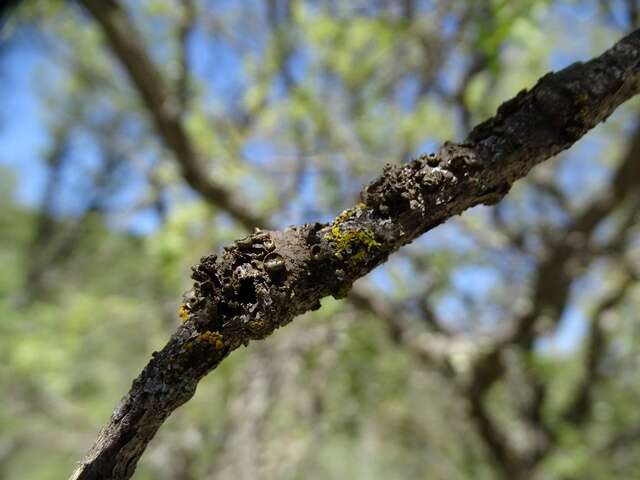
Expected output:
(165, 111)
(262, 282)
(580, 408)
(433, 349)
(185, 29)
(550, 295)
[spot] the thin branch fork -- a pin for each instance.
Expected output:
(164, 109)
(262, 282)
(551, 294)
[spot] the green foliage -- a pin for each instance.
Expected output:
(293, 119)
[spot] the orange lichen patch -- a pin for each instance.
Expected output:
(212, 338)
(183, 313)
(255, 325)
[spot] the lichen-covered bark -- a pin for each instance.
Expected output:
(262, 282)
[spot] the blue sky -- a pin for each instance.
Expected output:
(23, 135)
(24, 138)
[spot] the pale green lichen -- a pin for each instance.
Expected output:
(349, 213)
(354, 244)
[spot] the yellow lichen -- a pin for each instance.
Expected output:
(183, 313)
(581, 100)
(344, 216)
(355, 243)
(347, 214)
(581, 97)
(212, 338)
(255, 325)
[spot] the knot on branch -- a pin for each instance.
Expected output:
(232, 297)
(402, 190)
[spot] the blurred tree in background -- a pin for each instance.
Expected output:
(502, 344)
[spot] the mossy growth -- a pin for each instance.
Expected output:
(351, 243)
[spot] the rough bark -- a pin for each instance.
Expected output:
(262, 282)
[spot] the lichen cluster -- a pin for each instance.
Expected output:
(212, 338)
(183, 312)
(354, 244)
